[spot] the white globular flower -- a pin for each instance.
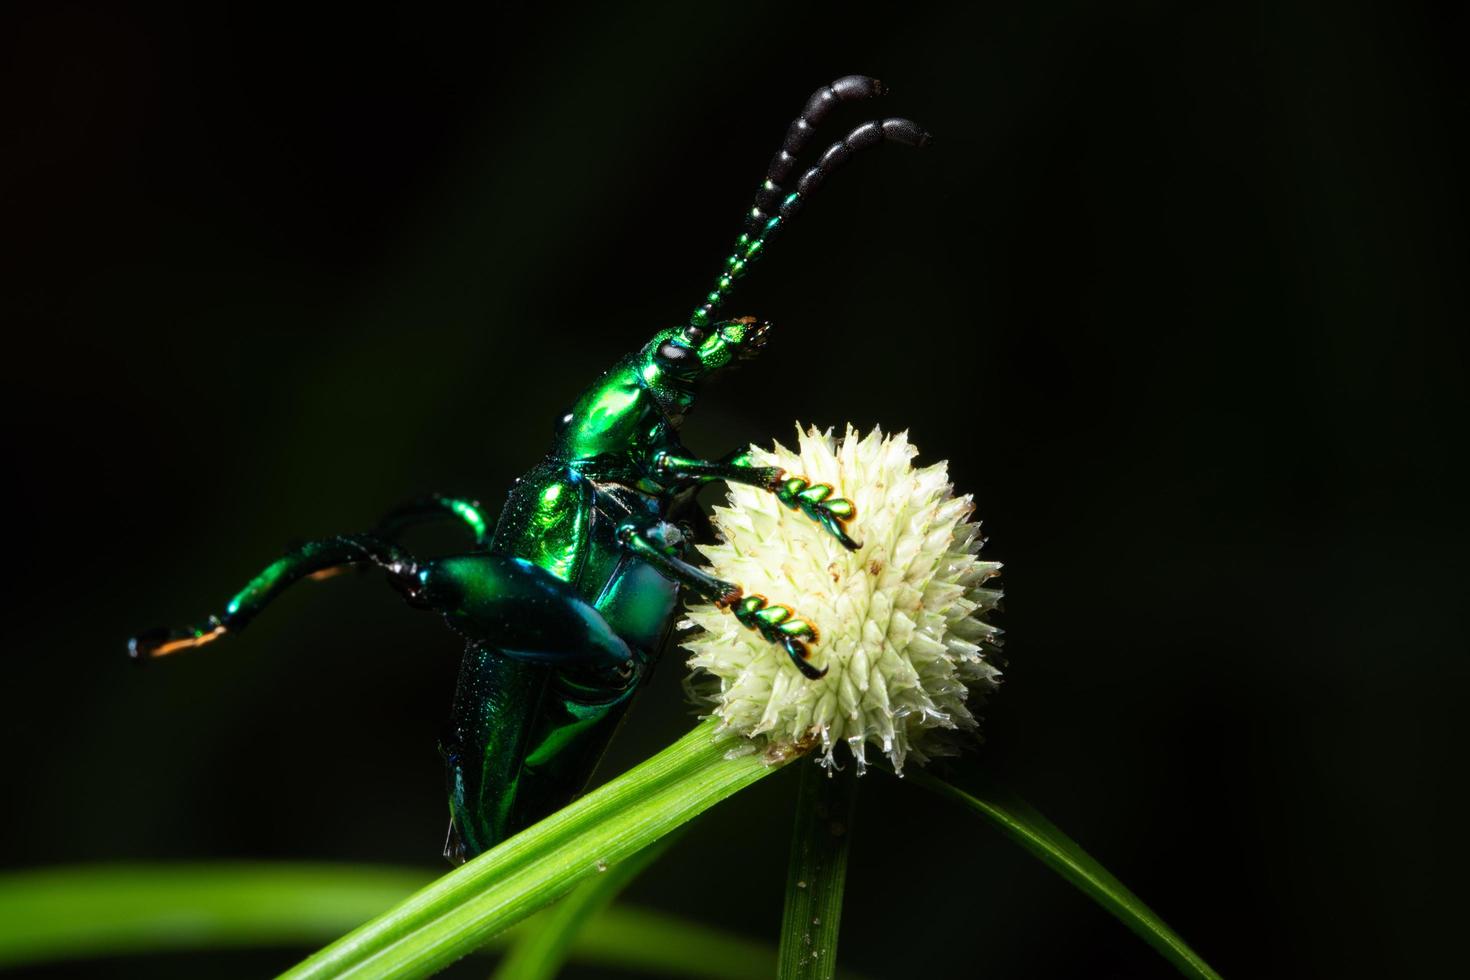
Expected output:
(900, 621)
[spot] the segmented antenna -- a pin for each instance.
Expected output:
(774, 206)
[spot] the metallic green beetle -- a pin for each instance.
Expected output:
(565, 607)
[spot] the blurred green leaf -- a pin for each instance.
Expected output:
(75, 913)
(1024, 825)
(638, 939)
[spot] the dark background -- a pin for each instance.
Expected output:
(1178, 291)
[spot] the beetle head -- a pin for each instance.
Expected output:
(677, 360)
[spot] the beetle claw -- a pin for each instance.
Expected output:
(800, 655)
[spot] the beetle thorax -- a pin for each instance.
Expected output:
(620, 420)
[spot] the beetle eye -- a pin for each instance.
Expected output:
(676, 356)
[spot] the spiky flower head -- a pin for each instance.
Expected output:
(900, 620)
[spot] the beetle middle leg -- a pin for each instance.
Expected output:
(777, 623)
(435, 506)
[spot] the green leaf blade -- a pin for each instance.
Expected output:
(1035, 833)
(75, 913)
(638, 939)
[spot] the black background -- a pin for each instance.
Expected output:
(1178, 291)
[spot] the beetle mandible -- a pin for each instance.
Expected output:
(565, 606)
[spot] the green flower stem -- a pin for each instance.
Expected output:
(816, 874)
(544, 947)
(457, 913)
(74, 913)
(1060, 853)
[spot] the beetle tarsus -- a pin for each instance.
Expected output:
(162, 640)
(779, 624)
(815, 500)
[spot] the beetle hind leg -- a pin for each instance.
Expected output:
(532, 643)
(524, 611)
(314, 559)
(484, 747)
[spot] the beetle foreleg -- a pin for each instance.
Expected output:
(815, 500)
(730, 470)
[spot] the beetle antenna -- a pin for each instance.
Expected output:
(849, 88)
(774, 206)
